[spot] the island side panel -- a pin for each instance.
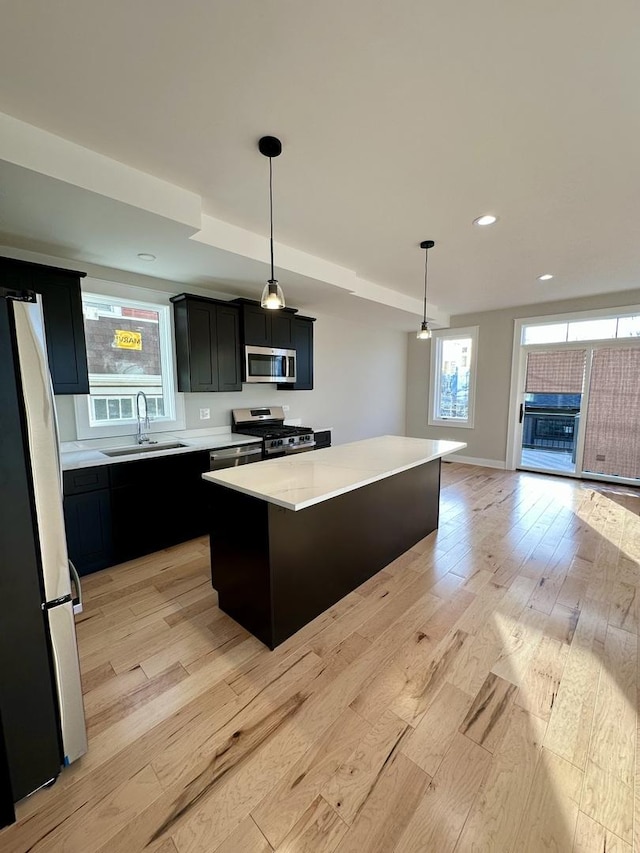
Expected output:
(240, 572)
(320, 554)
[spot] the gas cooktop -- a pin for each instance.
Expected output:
(268, 424)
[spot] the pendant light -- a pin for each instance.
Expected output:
(425, 332)
(272, 295)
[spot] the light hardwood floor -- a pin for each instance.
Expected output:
(478, 694)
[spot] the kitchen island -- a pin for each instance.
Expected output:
(291, 536)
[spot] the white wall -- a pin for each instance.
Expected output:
(488, 439)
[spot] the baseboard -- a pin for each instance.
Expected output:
(472, 460)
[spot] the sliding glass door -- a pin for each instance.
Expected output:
(579, 410)
(550, 409)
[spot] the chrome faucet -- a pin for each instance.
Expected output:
(143, 419)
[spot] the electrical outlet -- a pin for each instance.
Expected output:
(205, 414)
(285, 408)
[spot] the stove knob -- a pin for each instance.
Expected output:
(291, 440)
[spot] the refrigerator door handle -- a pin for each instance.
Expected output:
(75, 580)
(56, 431)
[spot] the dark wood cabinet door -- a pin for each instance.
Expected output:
(281, 330)
(303, 345)
(208, 352)
(63, 320)
(133, 523)
(256, 326)
(228, 348)
(202, 347)
(302, 333)
(64, 331)
(87, 519)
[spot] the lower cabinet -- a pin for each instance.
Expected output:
(322, 438)
(87, 518)
(157, 502)
(88, 523)
(146, 506)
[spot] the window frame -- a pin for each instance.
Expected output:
(108, 292)
(437, 339)
(622, 312)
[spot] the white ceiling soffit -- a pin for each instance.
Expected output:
(400, 121)
(59, 197)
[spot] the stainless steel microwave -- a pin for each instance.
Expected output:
(266, 364)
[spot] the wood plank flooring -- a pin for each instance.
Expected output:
(478, 694)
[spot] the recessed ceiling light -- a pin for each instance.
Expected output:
(545, 277)
(145, 256)
(487, 219)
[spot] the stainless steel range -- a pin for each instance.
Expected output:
(268, 424)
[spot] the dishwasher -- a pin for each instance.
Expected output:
(231, 457)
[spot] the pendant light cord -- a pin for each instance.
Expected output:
(426, 261)
(271, 213)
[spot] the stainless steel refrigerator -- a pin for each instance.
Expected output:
(41, 710)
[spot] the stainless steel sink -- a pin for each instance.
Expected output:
(142, 448)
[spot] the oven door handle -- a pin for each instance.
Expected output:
(308, 445)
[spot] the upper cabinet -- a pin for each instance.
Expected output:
(63, 320)
(207, 344)
(282, 329)
(264, 328)
(302, 343)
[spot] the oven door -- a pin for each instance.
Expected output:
(266, 364)
(290, 451)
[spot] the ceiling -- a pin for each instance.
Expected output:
(400, 122)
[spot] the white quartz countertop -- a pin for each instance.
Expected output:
(86, 454)
(297, 482)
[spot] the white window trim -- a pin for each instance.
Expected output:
(128, 293)
(575, 317)
(434, 386)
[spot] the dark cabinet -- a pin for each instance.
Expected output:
(207, 344)
(229, 354)
(116, 512)
(87, 518)
(302, 334)
(282, 330)
(63, 319)
(156, 503)
(264, 328)
(256, 326)
(322, 438)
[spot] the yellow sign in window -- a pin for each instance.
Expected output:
(127, 340)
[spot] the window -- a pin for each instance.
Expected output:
(596, 328)
(128, 350)
(453, 372)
